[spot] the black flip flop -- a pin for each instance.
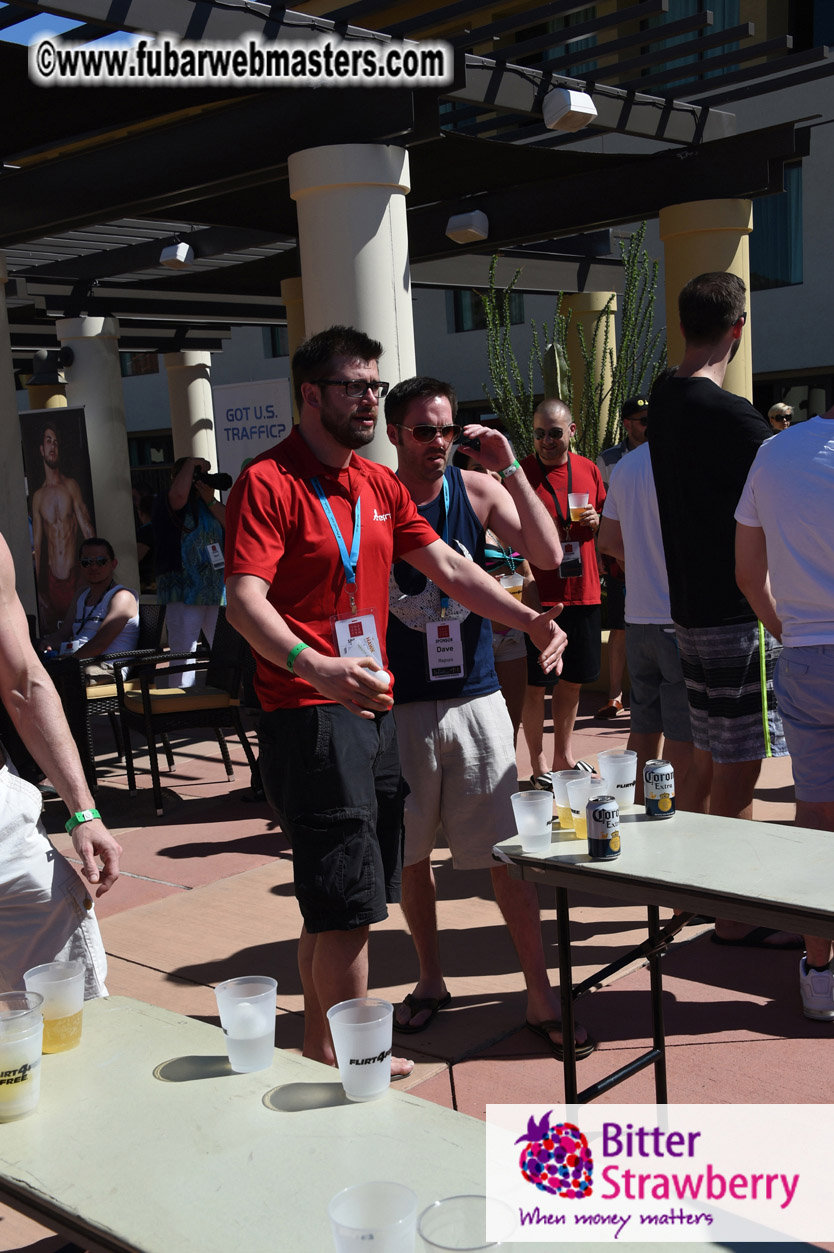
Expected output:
(543, 1029)
(418, 1003)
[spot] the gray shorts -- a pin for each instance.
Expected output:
(658, 700)
(804, 683)
(508, 644)
(459, 763)
(725, 673)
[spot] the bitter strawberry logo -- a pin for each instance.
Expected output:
(556, 1159)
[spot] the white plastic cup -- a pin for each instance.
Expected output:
(580, 792)
(577, 504)
(560, 780)
(363, 1032)
(247, 1014)
(468, 1222)
(382, 1213)
(533, 819)
(21, 1037)
(618, 767)
(61, 984)
(514, 583)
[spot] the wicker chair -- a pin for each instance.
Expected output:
(156, 711)
(103, 698)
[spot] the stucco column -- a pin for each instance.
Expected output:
(94, 381)
(698, 238)
(292, 297)
(13, 512)
(588, 308)
(353, 241)
(192, 408)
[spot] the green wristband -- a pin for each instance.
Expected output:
(511, 469)
(83, 815)
(299, 648)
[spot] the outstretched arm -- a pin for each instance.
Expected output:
(33, 705)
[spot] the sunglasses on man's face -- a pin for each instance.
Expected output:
(94, 561)
(555, 433)
(356, 388)
(425, 434)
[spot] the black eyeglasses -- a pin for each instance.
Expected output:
(94, 561)
(554, 433)
(425, 434)
(356, 387)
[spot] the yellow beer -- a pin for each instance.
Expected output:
(579, 825)
(576, 513)
(62, 1034)
(565, 817)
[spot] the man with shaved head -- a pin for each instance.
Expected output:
(555, 473)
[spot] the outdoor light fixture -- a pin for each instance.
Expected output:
(177, 256)
(567, 110)
(468, 228)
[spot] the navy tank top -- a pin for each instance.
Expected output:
(414, 600)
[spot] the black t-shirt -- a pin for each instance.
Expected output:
(702, 442)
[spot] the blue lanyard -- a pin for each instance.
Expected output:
(444, 599)
(349, 559)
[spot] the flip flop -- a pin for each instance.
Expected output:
(541, 782)
(418, 1003)
(756, 939)
(584, 765)
(543, 1029)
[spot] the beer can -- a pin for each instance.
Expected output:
(603, 818)
(659, 789)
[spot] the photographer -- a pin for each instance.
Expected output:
(188, 527)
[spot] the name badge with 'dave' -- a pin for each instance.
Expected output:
(444, 650)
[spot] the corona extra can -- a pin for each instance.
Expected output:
(603, 817)
(659, 789)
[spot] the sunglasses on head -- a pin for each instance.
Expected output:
(425, 434)
(94, 561)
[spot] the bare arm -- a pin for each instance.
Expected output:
(512, 510)
(121, 609)
(347, 680)
(37, 533)
(208, 498)
(474, 588)
(82, 515)
(611, 539)
(752, 576)
(33, 706)
(180, 488)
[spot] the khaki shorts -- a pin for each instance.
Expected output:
(45, 912)
(459, 762)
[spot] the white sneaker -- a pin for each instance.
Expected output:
(816, 988)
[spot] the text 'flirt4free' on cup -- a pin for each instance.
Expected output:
(21, 1036)
(533, 818)
(383, 1214)
(363, 1031)
(247, 1015)
(61, 984)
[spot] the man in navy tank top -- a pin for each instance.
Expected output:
(455, 734)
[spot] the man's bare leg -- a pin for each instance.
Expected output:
(519, 904)
(565, 706)
(646, 744)
(532, 724)
(512, 678)
(819, 816)
(333, 967)
(679, 755)
(699, 782)
(616, 663)
(420, 908)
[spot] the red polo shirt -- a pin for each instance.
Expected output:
(277, 530)
(585, 477)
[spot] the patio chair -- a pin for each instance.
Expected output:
(154, 710)
(103, 698)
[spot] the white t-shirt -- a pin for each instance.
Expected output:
(632, 501)
(88, 621)
(789, 493)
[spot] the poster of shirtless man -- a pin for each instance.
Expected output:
(56, 458)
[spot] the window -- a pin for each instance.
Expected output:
(276, 341)
(695, 66)
(569, 48)
(776, 242)
(466, 310)
(134, 363)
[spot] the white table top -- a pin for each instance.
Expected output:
(757, 872)
(147, 1135)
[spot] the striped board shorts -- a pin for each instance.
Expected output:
(732, 705)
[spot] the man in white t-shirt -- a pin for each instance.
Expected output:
(785, 568)
(630, 532)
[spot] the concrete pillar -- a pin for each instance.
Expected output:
(353, 241)
(94, 381)
(192, 409)
(14, 522)
(588, 308)
(700, 237)
(292, 297)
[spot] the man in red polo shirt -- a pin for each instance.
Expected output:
(311, 533)
(555, 473)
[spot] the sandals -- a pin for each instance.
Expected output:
(543, 1029)
(415, 1004)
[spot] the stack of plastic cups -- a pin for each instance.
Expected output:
(561, 778)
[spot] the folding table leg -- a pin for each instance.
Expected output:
(566, 995)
